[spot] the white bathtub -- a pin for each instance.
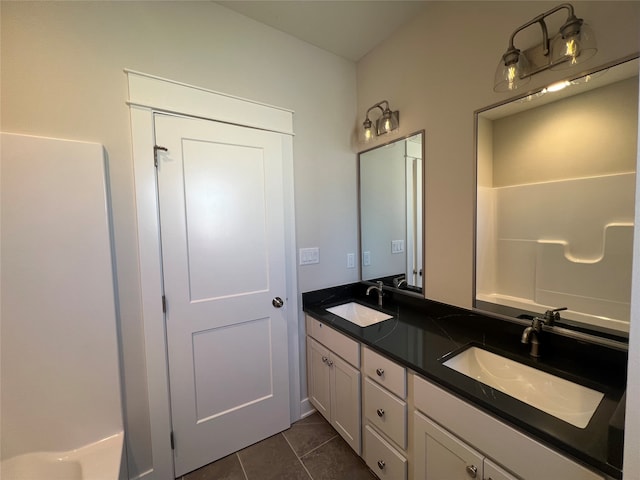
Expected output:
(96, 461)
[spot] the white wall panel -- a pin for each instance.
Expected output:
(60, 379)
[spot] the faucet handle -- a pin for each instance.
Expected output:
(552, 316)
(380, 284)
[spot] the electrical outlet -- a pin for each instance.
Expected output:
(351, 260)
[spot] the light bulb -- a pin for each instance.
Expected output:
(556, 87)
(512, 76)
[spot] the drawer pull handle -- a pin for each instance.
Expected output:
(472, 470)
(379, 372)
(324, 359)
(380, 412)
(381, 464)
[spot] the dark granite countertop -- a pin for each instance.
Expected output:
(423, 331)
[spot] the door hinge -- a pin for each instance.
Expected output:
(173, 443)
(164, 304)
(156, 148)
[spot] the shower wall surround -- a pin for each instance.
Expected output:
(60, 361)
(548, 252)
(556, 202)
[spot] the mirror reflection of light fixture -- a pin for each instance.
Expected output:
(388, 122)
(574, 43)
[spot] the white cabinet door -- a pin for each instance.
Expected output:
(438, 455)
(319, 377)
(345, 401)
(494, 472)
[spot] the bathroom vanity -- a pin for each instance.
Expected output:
(387, 390)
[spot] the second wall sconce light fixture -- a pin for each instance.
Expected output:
(388, 122)
(574, 43)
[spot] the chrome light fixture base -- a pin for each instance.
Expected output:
(574, 43)
(388, 122)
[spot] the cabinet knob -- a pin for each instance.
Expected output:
(381, 464)
(380, 412)
(324, 359)
(330, 362)
(472, 470)
(379, 372)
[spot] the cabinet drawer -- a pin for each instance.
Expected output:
(386, 462)
(386, 411)
(385, 372)
(335, 341)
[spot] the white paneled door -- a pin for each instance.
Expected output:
(222, 229)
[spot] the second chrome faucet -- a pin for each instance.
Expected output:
(378, 289)
(532, 333)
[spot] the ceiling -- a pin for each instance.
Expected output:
(348, 28)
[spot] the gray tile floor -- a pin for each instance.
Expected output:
(310, 449)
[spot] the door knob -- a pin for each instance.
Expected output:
(277, 302)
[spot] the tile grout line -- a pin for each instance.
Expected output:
(299, 458)
(244, 472)
(321, 445)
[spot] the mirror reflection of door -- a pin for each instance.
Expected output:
(391, 213)
(555, 202)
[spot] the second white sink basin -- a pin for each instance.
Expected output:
(556, 396)
(359, 314)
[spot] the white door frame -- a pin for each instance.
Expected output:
(149, 94)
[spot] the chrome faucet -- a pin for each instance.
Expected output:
(378, 289)
(400, 281)
(532, 334)
(552, 316)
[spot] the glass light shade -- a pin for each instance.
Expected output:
(573, 49)
(510, 77)
(367, 134)
(388, 122)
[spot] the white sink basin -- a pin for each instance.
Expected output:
(556, 396)
(359, 314)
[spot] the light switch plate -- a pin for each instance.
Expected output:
(309, 256)
(397, 246)
(366, 259)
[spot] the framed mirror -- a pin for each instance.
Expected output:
(391, 213)
(555, 202)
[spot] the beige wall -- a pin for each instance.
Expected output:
(62, 76)
(437, 71)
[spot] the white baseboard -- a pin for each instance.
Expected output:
(148, 475)
(306, 408)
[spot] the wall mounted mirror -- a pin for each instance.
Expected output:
(391, 213)
(555, 202)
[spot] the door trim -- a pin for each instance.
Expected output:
(147, 95)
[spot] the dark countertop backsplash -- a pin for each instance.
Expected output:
(423, 331)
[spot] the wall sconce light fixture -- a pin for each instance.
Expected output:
(574, 43)
(388, 122)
